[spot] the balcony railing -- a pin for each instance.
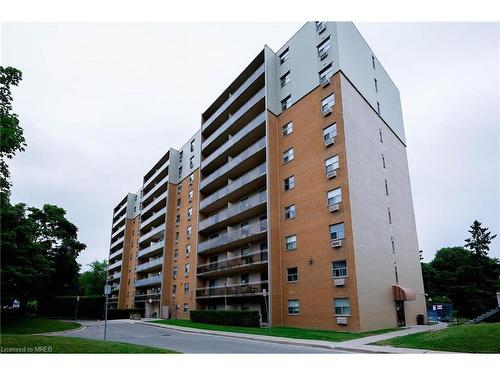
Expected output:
(155, 216)
(152, 232)
(150, 264)
(120, 209)
(238, 159)
(249, 104)
(153, 247)
(118, 230)
(236, 184)
(154, 202)
(231, 263)
(239, 290)
(118, 241)
(114, 265)
(115, 254)
(114, 276)
(158, 171)
(233, 235)
(147, 297)
(148, 281)
(155, 187)
(234, 95)
(257, 121)
(251, 202)
(114, 288)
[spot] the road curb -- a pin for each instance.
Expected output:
(57, 333)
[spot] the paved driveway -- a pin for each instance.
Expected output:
(127, 331)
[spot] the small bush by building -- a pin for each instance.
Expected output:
(249, 318)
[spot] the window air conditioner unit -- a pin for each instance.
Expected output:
(325, 81)
(327, 111)
(331, 174)
(336, 243)
(342, 320)
(330, 141)
(334, 207)
(323, 54)
(339, 282)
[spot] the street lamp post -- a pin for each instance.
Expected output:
(107, 291)
(264, 293)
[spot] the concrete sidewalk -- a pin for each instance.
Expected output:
(354, 346)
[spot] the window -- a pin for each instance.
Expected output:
(174, 289)
(396, 272)
(339, 269)
(176, 253)
(292, 274)
(190, 212)
(186, 269)
(329, 132)
(285, 78)
(287, 129)
(380, 135)
(337, 231)
(373, 61)
(332, 164)
(327, 104)
(290, 212)
(176, 236)
(383, 160)
(181, 154)
(188, 250)
(289, 183)
(376, 84)
(190, 195)
(288, 155)
(389, 215)
(179, 188)
(342, 306)
(191, 179)
(177, 219)
(191, 162)
(186, 287)
(189, 230)
(378, 108)
(175, 270)
(284, 55)
(180, 171)
(326, 74)
(286, 103)
(186, 307)
(323, 48)
(293, 307)
(191, 146)
(244, 279)
(393, 246)
(291, 242)
(320, 26)
(334, 196)
(386, 188)
(178, 202)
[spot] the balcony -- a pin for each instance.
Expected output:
(236, 264)
(235, 117)
(157, 173)
(117, 242)
(155, 201)
(115, 288)
(147, 297)
(152, 280)
(241, 134)
(151, 249)
(239, 187)
(155, 263)
(153, 217)
(239, 290)
(115, 265)
(119, 211)
(122, 228)
(159, 184)
(115, 276)
(153, 233)
(241, 161)
(236, 212)
(260, 70)
(235, 237)
(115, 254)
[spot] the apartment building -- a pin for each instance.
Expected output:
(298, 197)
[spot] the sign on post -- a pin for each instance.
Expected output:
(107, 289)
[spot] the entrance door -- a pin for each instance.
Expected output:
(400, 313)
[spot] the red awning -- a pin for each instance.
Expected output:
(403, 294)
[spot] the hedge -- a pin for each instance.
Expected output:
(247, 318)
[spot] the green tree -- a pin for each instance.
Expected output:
(11, 133)
(92, 281)
(480, 239)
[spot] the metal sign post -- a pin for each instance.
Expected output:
(76, 308)
(107, 291)
(264, 293)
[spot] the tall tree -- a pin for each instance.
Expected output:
(480, 239)
(92, 281)
(11, 133)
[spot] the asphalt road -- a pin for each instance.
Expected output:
(183, 341)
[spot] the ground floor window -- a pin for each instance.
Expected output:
(342, 306)
(293, 307)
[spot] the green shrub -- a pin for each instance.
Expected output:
(247, 318)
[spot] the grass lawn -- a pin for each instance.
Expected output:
(59, 344)
(26, 325)
(474, 338)
(295, 333)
